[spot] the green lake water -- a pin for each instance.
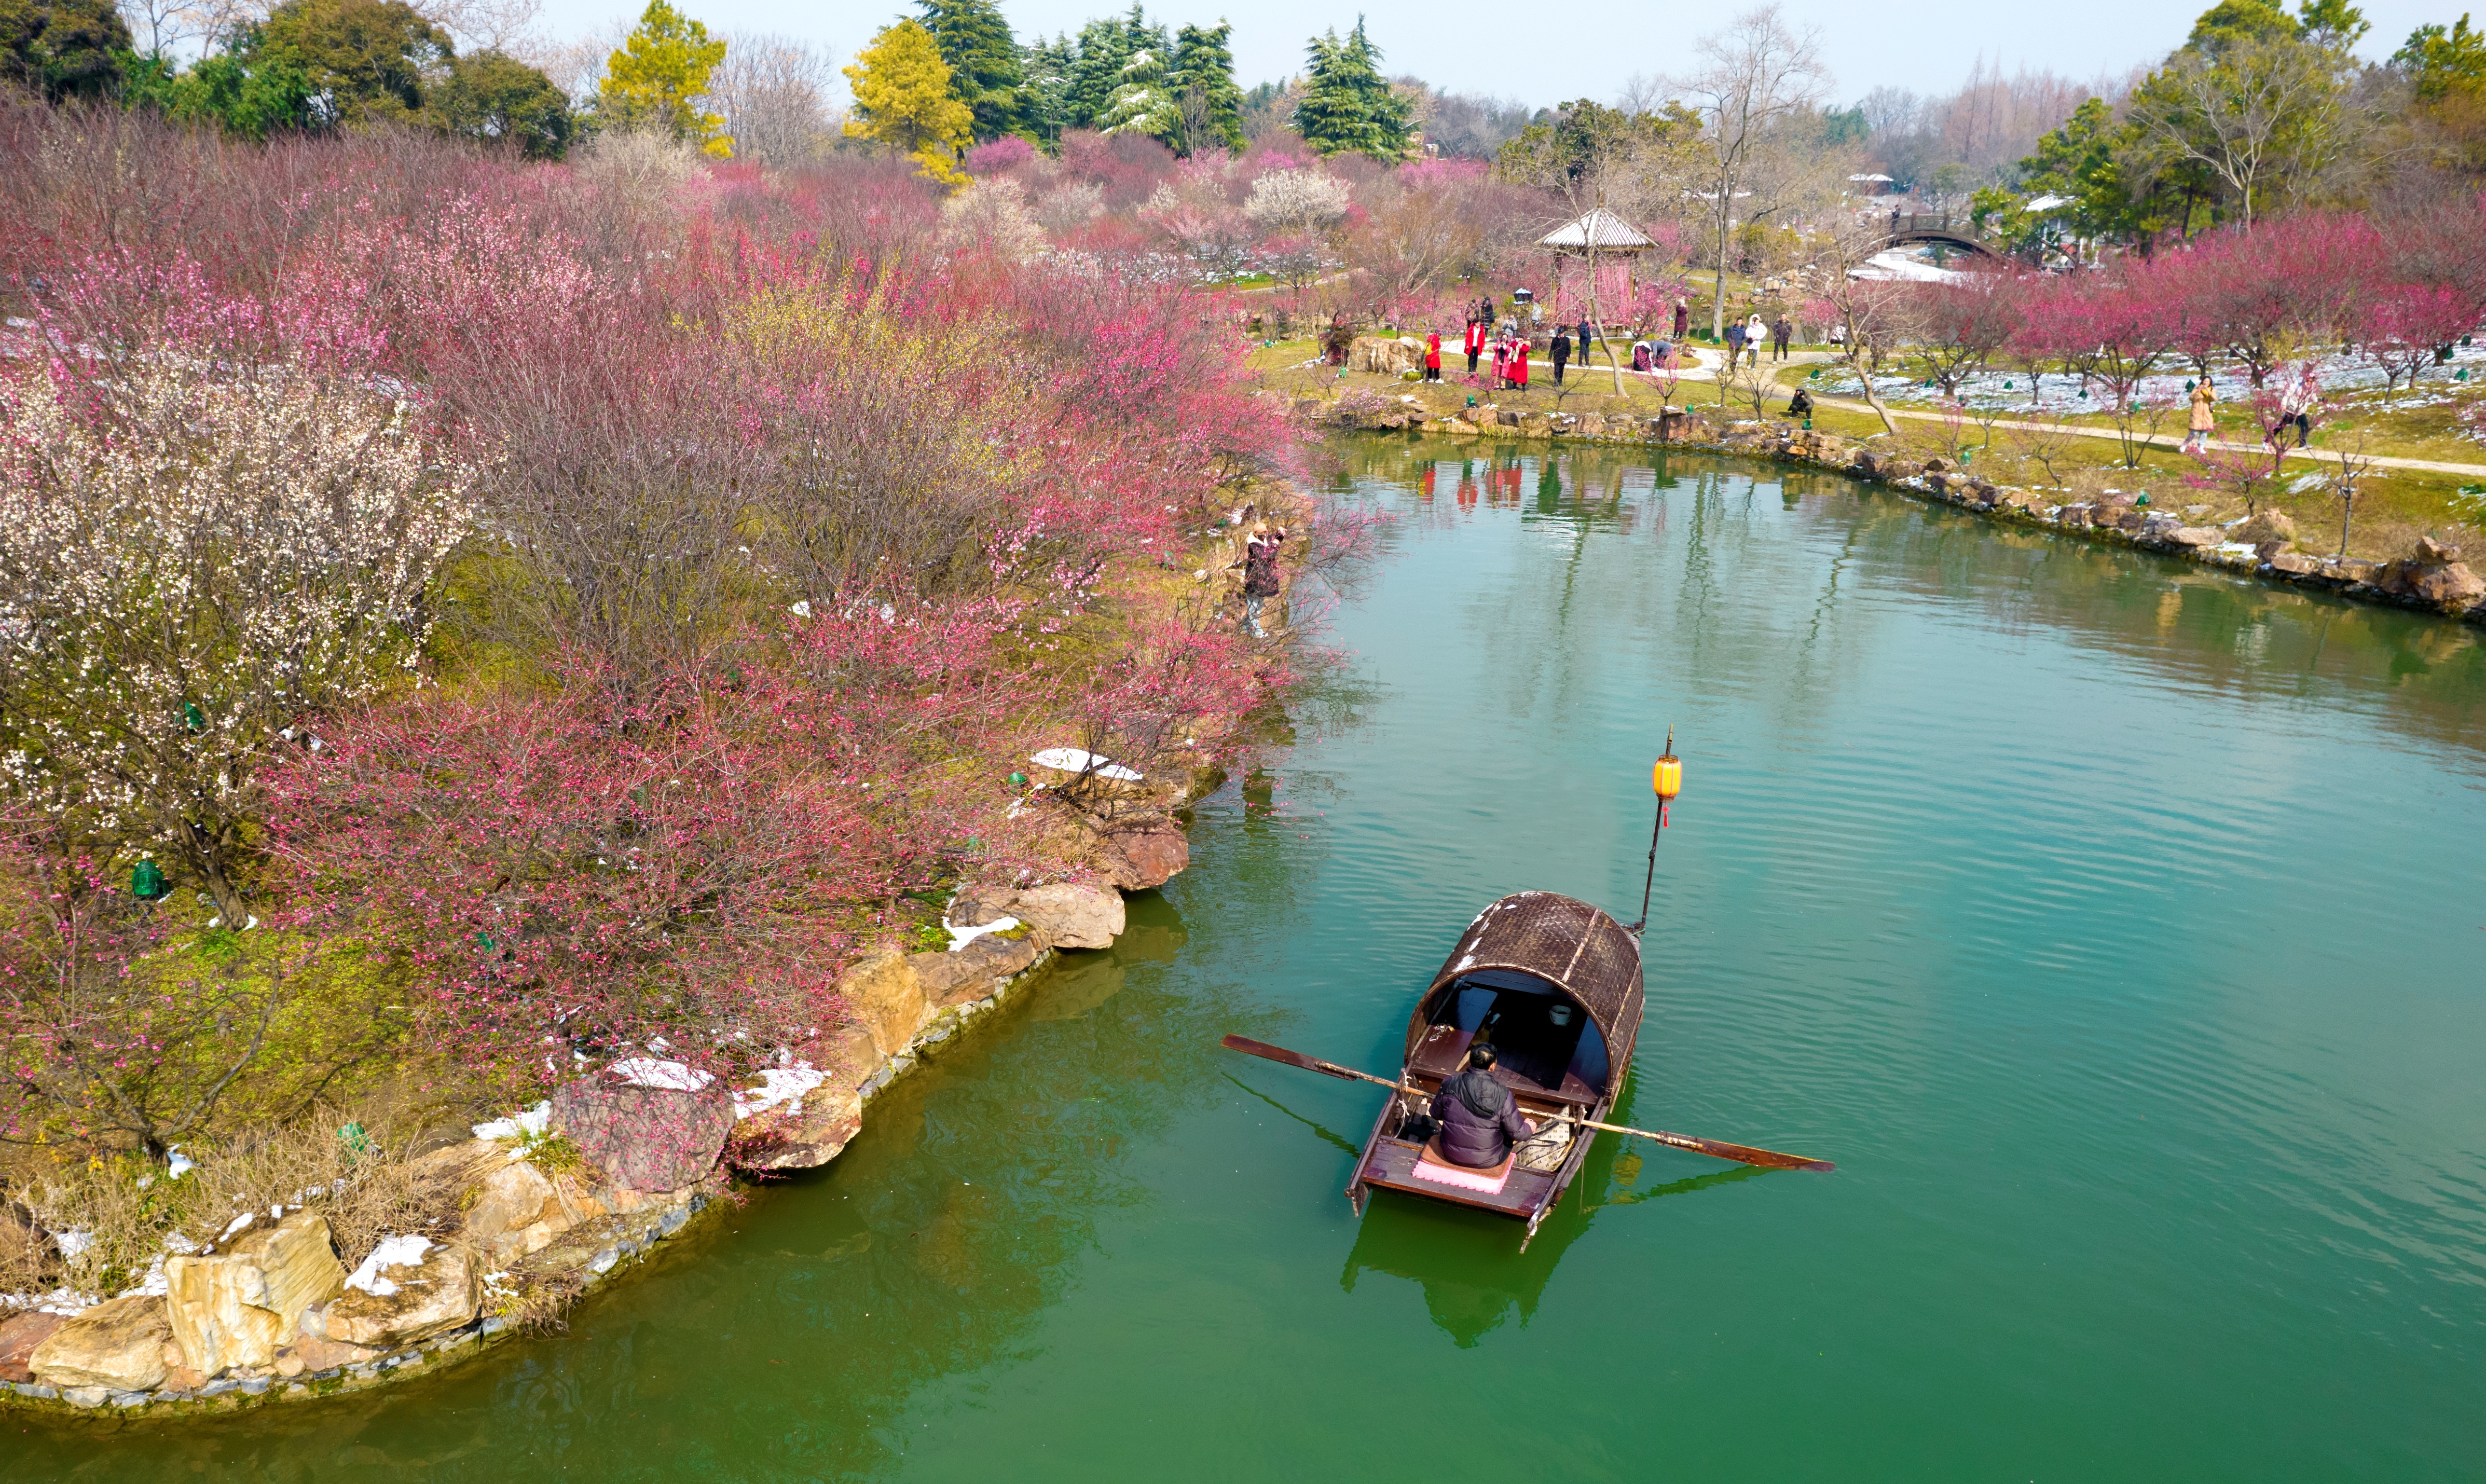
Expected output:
(2115, 923)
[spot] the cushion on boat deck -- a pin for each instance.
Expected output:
(1431, 1165)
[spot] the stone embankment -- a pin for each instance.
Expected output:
(2432, 577)
(267, 1311)
(553, 1201)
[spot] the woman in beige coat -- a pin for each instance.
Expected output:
(2204, 399)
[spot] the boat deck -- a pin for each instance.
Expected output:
(1392, 1165)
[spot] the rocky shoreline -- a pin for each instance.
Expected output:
(551, 1202)
(267, 1312)
(2432, 579)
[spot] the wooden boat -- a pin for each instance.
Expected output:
(1554, 986)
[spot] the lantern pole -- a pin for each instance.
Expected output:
(1666, 779)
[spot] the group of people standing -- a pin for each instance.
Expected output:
(1508, 348)
(1749, 334)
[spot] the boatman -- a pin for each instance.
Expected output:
(1479, 1119)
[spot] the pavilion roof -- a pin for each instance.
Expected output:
(1601, 230)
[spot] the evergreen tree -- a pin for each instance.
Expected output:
(1096, 61)
(367, 61)
(1140, 102)
(659, 79)
(1202, 80)
(1347, 106)
(1046, 88)
(903, 98)
(494, 97)
(62, 48)
(986, 70)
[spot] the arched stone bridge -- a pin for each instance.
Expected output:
(1957, 232)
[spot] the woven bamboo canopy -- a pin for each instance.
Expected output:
(1564, 941)
(1600, 232)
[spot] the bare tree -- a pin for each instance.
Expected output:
(1869, 311)
(1755, 76)
(772, 91)
(179, 27)
(505, 26)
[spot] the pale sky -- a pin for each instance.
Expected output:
(1543, 56)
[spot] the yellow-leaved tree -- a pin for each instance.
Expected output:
(658, 77)
(901, 95)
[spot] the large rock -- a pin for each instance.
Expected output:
(406, 1303)
(2451, 586)
(514, 1209)
(1069, 915)
(817, 1128)
(1139, 860)
(2193, 537)
(970, 973)
(648, 1139)
(2266, 526)
(2293, 563)
(119, 1345)
(319, 1353)
(2436, 553)
(886, 997)
(18, 1337)
(236, 1303)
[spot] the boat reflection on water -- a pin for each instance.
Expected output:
(1465, 1261)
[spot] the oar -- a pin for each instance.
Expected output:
(1741, 1154)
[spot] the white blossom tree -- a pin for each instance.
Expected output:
(196, 558)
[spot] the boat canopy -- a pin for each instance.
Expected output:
(1567, 943)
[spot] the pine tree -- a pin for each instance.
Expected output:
(1347, 105)
(901, 97)
(1048, 88)
(1096, 61)
(1140, 102)
(659, 77)
(1202, 80)
(986, 70)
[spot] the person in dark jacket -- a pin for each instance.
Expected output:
(1479, 1119)
(1260, 573)
(1562, 352)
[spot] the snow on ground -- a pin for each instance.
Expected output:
(960, 937)
(663, 1076)
(2008, 390)
(529, 1123)
(779, 1088)
(391, 1252)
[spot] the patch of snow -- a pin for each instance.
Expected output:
(960, 937)
(74, 1244)
(391, 1252)
(66, 1302)
(529, 1123)
(1897, 264)
(1075, 760)
(664, 1076)
(779, 1088)
(2234, 548)
(239, 1222)
(182, 1165)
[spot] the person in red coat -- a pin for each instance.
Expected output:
(1519, 361)
(1432, 355)
(1475, 343)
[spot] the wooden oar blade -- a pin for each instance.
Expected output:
(1746, 1154)
(1252, 1048)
